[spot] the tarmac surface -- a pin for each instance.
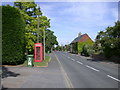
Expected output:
(88, 73)
(34, 77)
(65, 70)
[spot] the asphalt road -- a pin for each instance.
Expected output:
(82, 73)
(65, 70)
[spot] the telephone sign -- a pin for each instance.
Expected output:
(38, 52)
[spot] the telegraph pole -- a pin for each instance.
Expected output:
(43, 33)
(44, 41)
(38, 25)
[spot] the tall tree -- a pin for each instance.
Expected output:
(109, 40)
(30, 12)
(51, 40)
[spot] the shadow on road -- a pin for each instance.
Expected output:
(4, 88)
(6, 73)
(95, 60)
(102, 60)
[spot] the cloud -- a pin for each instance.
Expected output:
(89, 12)
(76, 0)
(68, 19)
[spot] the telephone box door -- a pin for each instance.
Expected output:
(38, 52)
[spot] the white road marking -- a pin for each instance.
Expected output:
(92, 68)
(79, 62)
(73, 59)
(68, 57)
(114, 78)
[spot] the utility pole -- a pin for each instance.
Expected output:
(38, 25)
(43, 33)
(44, 41)
(44, 36)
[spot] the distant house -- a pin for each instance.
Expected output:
(75, 44)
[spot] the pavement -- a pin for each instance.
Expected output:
(34, 77)
(65, 70)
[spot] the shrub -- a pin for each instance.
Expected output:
(82, 44)
(87, 50)
(13, 26)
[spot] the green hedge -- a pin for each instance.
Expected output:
(13, 36)
(75, 47)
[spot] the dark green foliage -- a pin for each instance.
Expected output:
(13, 36)
(0, 35)
(58, 48)
(107, 51)
(67, 47)
(75, 47)
(108, 41)
(51, 40)
(30, 12)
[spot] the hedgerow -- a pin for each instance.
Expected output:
(13, 36)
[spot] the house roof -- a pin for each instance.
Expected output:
(77, 39)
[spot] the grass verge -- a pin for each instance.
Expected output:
(44, 63)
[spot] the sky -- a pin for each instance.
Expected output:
(70, 18)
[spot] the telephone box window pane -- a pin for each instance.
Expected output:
(37, 53)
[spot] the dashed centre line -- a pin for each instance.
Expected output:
(79, 62)
(73, 59)
(92, 68)
(82, 63)
(114, 78)
(68, 57)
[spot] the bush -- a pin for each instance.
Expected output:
(13, 36)
(107, 51)
(82, 44)
(87, 50)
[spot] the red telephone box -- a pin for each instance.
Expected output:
(38, 52)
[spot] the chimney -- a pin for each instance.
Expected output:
(79, 34)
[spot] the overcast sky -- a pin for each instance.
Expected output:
(70, 18)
